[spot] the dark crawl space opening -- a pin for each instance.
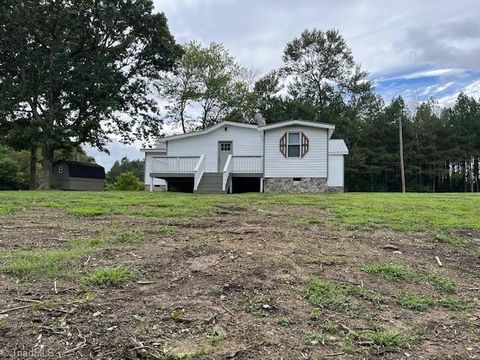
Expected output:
(180, 185)
(245, 184)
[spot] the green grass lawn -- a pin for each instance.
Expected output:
(409, 212)
(294, 265)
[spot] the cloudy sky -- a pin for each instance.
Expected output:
(417, 49)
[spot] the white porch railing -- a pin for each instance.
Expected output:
(248, 164)
(199, 170)
(226, 172)
(174, 164)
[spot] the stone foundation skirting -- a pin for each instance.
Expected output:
(297, 185)
(156, 188)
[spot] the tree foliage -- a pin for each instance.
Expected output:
(14, 167)
(136, 167)
(128, 181)
(208, 86)
(74, 72)
(320, 81)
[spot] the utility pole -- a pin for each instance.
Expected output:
(402, 165)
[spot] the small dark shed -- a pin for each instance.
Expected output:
(74, 175)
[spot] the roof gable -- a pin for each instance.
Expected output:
(209, 130)
(281, 124)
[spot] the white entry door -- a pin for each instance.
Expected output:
(225, 148)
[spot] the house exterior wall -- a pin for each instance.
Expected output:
(158, 184)
(312, 165)
(74, 183)
(335, 170)
(245, 142)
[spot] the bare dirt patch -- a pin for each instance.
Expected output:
(231, 284)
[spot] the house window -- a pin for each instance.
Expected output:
(225, 146)
(60, 169)
(293, 145)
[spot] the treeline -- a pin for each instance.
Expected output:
(320, 81)
(441, 148)
(65, 82)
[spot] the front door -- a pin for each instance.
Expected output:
(225, 148)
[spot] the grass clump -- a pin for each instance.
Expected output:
(199, 352)
(413, 301)
(110, 276)
(305, 222)
(177, 315)
(330, 326)
(438, 282)
(450, 239)
(324, 294)
(400, 272)
(6, 209)
(285, 321)
(365, 294)
(88, 211)
(85, 242)
(389, 271)
(129, 237)
(166, 230)
(314, 339)
(45, 305)
(384, 339)
(51, 263)
(451, 303)
(42, 263)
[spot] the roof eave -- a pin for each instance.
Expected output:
(209, 130)
(278, 125)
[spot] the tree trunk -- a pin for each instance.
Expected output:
(47, 154)
(182, 116)
(33, 168)
(477, 173)
(470, 175)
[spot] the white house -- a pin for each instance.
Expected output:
(289, 156)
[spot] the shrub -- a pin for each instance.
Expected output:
(128, 181)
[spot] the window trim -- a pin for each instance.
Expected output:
(299, 145)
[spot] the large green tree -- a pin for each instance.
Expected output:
(76, 71)
(208, 86)
(319, 69)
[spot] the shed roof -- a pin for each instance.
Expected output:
(83, 170)
(337, 146)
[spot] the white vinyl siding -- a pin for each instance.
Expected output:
(313, 164)
(148, 169)
(245, 142)
(335, 170)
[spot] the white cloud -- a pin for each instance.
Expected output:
(404, 33)
(472, 90)
(444, 87)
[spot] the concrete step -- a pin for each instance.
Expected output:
(211, 183)
(209, 192)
